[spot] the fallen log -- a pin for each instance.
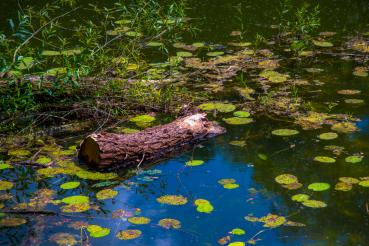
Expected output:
(106, 150)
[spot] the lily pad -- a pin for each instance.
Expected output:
(319, 186)
(226, 181)
(193, 163)
(343, 186)
(106, 194)
(324, 159)
(170, 223)
(97, 231)
(63, 239)
(154, 44)
(237, 121)
(292, 186)
(241, 114)
(172, 200)
(237, 243)
(70, 185)
(215, 53)
(344, 127)
(11, 222)
(203, 206)
(364, 183)
(348, 92)
(328, 136)
(238, 232)
(314, 204)
(6, 185)
(4, 166)
(76, 199)
(354, 159)
(285, 132)
(322, 43)
(272, 220)
(300, 197)
(231, 186)
(274, 76)
(286, 179)
(354, 101)
(221, 107)
(128, 234)
(19, 152)
(140, 220)
(43, 160)
(184, 54)
(142, 119)
(349, 180)
(75, 208)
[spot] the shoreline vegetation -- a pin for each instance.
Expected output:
(97, 72)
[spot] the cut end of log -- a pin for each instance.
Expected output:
(90, 151)
(107, 150)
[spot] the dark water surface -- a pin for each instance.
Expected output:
(345, 220)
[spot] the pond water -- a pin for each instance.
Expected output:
(342, 217)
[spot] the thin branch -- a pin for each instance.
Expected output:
(39, 30)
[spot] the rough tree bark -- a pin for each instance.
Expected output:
(107, 150)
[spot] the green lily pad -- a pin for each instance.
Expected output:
(70, 185)
(140, 220)
(215, 53)
(238, 231)
(300, 197)
(324, 159)
(364, 183)
(172, 200)
(106, 194)
(12, 222)
(43, 160)
(273, 76)
(319, 186)
(241, 114)
(292, 186)
(322, 43)
(237, 243)
(133, 34)
(314, 204)
(348, 92)
(203, 206)
(231, 186)
(328, 136)
(194, 163)
(128, 234)
(19, 152)
(286, 179)
(285, 132)
(184, 54)
(76, 199)
(143, 119)
(170, 223)
(354, 159)
(97, 231)
(6, 185)
(4, 166)
(237, 121)
(262, 156)
(221, 107)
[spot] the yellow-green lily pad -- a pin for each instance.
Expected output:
(314, 204)
(140, 220)
(285, 132)
(170, 223)
(286, 179)
(128, 234)
(97, 231)
(324, 159)
(70, 185)
(76, 199)
(354, 159)
(328, 136)
(319, 186)
(300, 197)
(172, 200)
(194, 163)
(203, 206)
(237, 121)
(106, 194)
